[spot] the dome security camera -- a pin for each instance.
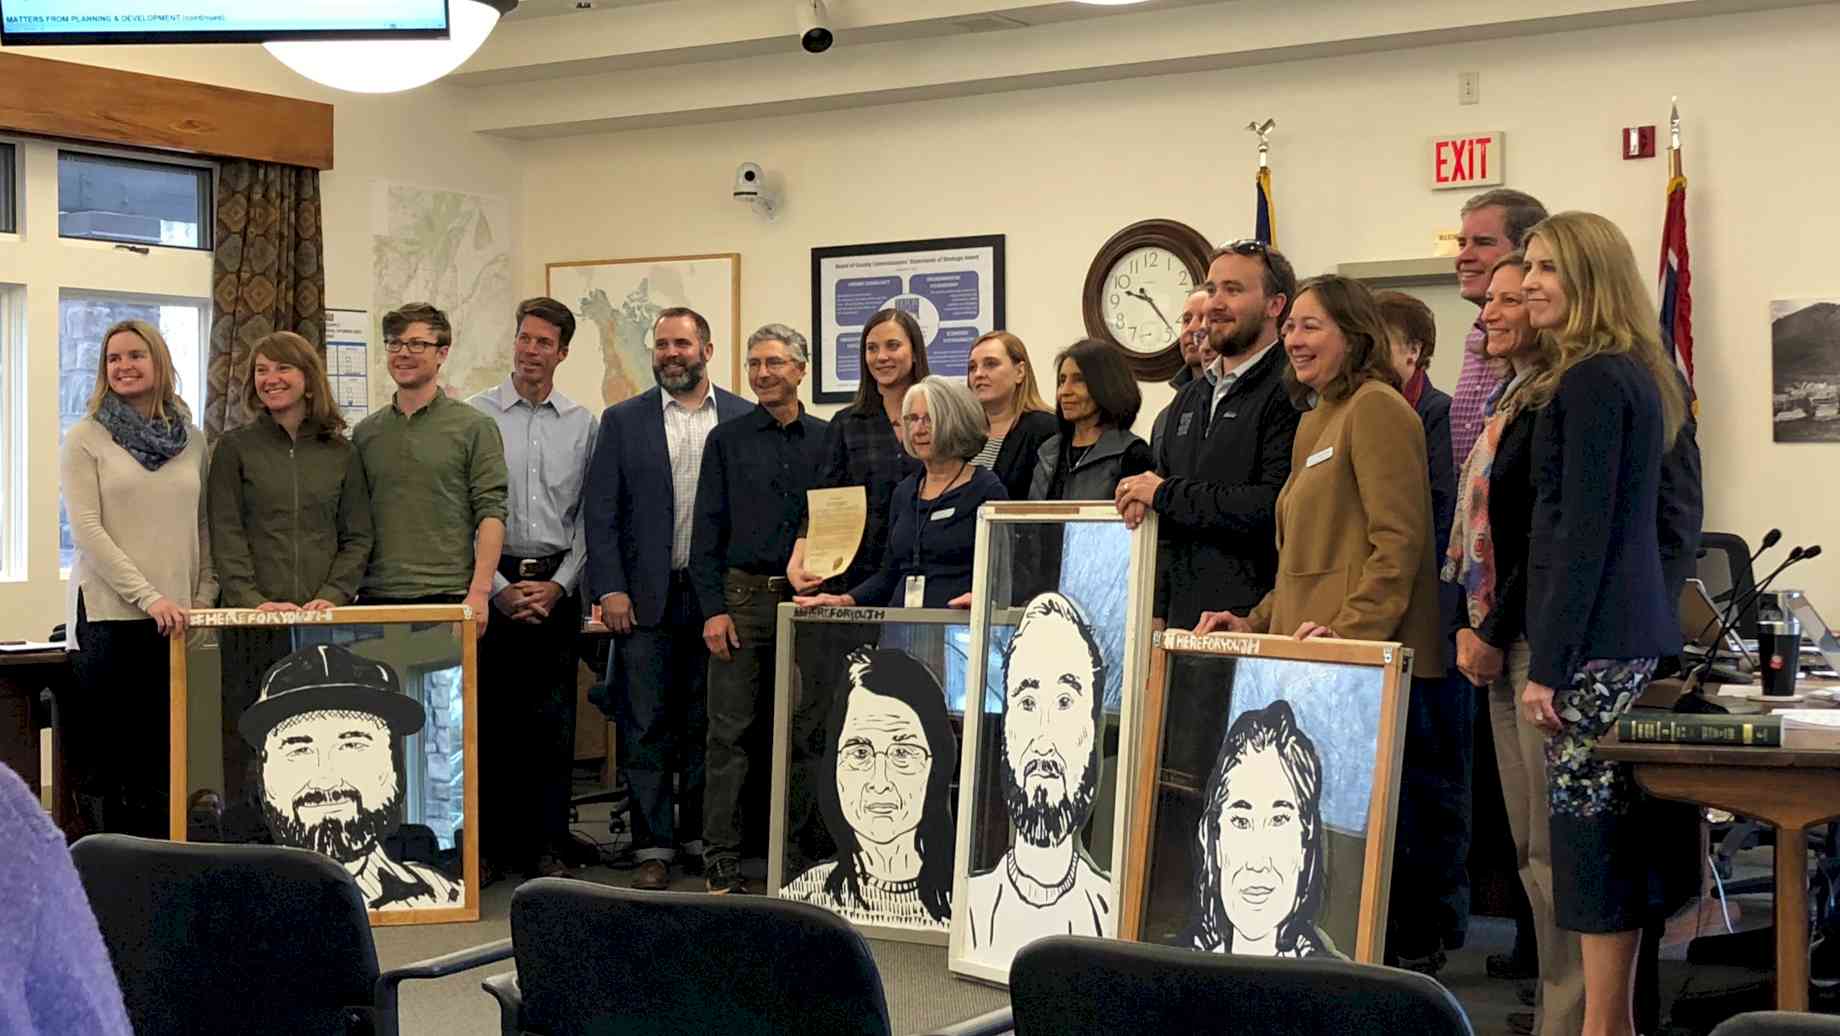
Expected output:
(815, 33)
(749, 179)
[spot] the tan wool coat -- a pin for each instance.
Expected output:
(1355, 540)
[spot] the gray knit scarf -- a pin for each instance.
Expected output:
(151, 442)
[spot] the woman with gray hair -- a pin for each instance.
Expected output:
(934, 512)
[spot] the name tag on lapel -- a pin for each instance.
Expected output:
(1319, 456)
(940, 516)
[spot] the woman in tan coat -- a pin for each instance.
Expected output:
(1357, 559)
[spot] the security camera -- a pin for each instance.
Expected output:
(749, 180)
(751, 187)
(815, 27)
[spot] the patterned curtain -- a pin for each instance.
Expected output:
(267, 275)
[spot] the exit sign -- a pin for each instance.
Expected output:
(1466, 160)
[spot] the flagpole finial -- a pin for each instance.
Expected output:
(1263, 129)
(1674, 137)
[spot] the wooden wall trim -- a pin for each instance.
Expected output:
(64, 99)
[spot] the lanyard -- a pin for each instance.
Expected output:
(920, 526)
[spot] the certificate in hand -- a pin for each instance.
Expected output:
(836, 529)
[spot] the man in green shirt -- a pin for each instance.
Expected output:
(436, 471)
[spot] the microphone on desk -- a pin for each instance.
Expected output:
(1770, 539)
(1743, 601)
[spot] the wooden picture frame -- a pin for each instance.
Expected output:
(954, 287)
(323, 658)
(613, 298)
(1352, 723)
(1078, 585)
(806, 684)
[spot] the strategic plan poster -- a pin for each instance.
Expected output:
(952, 286)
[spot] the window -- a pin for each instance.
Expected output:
(12, 433)
(103, 198)
(9, 189)
(83, 317)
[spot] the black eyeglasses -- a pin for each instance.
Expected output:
(1250, 246)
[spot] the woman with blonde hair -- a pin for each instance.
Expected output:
(1598, 617)
(133, 473)
(290, 511)
(1000, 375)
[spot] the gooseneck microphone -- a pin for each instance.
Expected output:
(1770, 539)
(1743, 601)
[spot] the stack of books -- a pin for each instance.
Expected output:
(1784, 728)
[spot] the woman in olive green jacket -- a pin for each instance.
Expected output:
(290, 510)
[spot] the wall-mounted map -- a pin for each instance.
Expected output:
(616, 301)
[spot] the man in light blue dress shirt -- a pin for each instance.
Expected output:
(527, 660)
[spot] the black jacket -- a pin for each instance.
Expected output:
(1682, 507)
(1015, 465)
(1511, 529)
(1218, 540)
(1433, 408)
(1595, 588)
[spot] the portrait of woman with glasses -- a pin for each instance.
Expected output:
(891, 755)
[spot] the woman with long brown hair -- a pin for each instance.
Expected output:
(1000, 375)
(290, 511)
(1598, 614)
(133, 473)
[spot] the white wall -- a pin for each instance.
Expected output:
(1059, 170)
(403, 139)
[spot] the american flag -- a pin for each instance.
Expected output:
(1265, 217)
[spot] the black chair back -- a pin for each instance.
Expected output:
(1725, 568)
(1072, 984)
(229, 939)
(1779, 1023)
(607, 961)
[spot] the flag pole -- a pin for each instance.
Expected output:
(1674, 139)
(1263, 129)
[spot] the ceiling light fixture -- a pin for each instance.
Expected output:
(391, 66)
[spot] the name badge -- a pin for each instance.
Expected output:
(1319, 456)
(1182, 426)
(940, 516)
(916, 592)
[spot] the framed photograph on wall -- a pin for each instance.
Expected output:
(348, 732)
(1266, 797)
(1060, 622)
(952, 285)
(867, 723)
(616, 301)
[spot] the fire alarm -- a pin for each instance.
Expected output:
(1639, 142)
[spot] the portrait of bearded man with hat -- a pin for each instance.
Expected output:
(329, 727)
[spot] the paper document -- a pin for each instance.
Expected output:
(836, 530)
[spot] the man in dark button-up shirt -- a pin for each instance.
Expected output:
(749, 500)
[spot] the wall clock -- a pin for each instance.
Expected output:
(1135, 288)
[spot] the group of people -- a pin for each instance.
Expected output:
(1526, 534)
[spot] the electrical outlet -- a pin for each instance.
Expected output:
(1469, 87)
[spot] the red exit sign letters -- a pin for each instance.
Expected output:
(1466, 160)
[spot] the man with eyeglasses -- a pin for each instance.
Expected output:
(1227, 450)
(527, 660)
(749, 500)
(640, 504)
(436, 470)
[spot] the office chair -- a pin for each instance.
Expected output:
(232, 939)
(610, 961)
(1067, 983)
(1778, 1023)
(1725, 568)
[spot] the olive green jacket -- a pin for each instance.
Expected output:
(290, 519)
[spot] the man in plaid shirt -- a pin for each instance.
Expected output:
(1493, 224)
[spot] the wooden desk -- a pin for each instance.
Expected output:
(1790, 789)
(22, 676)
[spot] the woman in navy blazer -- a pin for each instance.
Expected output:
(1598, 615)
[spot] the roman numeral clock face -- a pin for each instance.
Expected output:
(1142, 298)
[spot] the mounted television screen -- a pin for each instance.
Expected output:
(29, 22)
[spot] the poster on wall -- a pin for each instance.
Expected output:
(348, 732)
(454, 250)
(1805, 369)
(616, 301)
(952, 285)
(1265, 802)
(348, 335)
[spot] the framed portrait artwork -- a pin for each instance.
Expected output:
(1060, 615)
(1266, 796)
(952, 287)
(349, 732)
(868, 719)
(616, 302)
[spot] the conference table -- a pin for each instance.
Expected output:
(1790, 789)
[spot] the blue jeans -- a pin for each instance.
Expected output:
(1429, 907)
(663, 719)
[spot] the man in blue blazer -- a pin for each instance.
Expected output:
(639, 501)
